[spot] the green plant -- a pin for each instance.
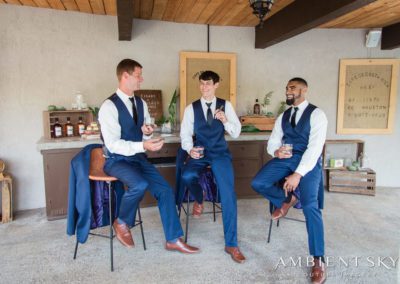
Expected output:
(172, 109)
(282, 107)
(267, 99)
(95, 112)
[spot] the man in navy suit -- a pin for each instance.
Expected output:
(208, 118)
(303, 126)
(126, 138)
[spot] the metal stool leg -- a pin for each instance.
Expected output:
(76, 248)
(270, 229)
(187, 218)
(214, 210)
(141, 228)
(111, 223)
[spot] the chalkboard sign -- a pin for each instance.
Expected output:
(153, 98)
(367, 96)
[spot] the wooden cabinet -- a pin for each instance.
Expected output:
(56, 176)
(247, 158)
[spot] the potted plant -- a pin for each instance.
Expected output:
(266, 103)
(168, 124)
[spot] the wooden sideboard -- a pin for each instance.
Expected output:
(248, 157)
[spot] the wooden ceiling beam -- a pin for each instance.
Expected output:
(125, 10)
(390, 37)
(301, 16)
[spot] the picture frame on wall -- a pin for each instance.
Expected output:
(367, 96)
(192, 64)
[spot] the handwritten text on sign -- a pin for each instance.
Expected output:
(367, 96)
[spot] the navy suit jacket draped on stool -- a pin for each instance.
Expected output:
(80, 214)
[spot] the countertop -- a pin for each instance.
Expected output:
(76, 142)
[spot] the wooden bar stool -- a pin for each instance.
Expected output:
(96, 173)
(207, 174)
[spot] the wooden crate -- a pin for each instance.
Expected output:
(49, 119)
(259, 121)
(359, 182)
(6, 199)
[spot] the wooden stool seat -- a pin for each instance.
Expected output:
(97, 162)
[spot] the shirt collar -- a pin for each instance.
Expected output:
(124, 97)
(213, 101)
(302, 106)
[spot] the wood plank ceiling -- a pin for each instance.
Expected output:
(218, 12)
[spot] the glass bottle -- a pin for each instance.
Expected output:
(256, 108)
(327, 159)
(69, 128)
(360, 160)
(80, 127)
(57, 128)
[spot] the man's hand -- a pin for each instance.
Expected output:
(281, 153)
(154, 144)
(194, 154)
(147, 129)
(220, 115)
(292, 182)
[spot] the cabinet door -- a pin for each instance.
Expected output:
(56, 178)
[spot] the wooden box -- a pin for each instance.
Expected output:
(259, 121)
(359, 182)
(50, 116)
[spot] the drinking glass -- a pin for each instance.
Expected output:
(200, 150)
(150, 121)
(288, 148)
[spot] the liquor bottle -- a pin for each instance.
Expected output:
(68, 128)
(256, 109)
(57, 129)
(80, 127)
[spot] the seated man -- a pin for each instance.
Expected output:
(208, 118)
(122, 119)
(304, 127)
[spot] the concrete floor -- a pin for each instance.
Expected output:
(362, 228)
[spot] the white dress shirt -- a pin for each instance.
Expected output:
(318, 123)
(232, 126)
(111, 129)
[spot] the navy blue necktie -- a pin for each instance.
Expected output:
(209, 114)
(134, 110)
(293, 119)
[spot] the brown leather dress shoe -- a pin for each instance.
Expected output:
(235, 254)
(123, 234)
(281, 212)
(318, 274)
(181, 247)
(197, 209)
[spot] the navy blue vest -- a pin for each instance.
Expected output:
(211, 137)
(299, 135)
(129, 130)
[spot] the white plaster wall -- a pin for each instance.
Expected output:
(46, 55)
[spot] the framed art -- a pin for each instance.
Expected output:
(192, 64)
(367, 96)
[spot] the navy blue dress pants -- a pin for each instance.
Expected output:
(138, 174)
(223, 174)
(266, 183)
